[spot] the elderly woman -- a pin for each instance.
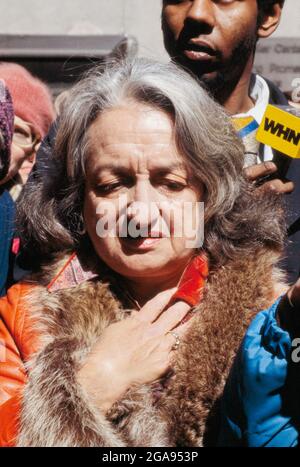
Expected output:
(130, 325)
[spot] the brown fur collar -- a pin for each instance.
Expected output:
(56, 412)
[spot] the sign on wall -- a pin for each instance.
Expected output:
(278, 59)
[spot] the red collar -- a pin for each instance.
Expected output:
(189, 290)
(192, 281)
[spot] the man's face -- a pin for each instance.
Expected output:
(215, 39)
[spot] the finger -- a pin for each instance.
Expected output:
(259, 170)
(172, 317)
(277, 186)
(154, 307)
(180, 331)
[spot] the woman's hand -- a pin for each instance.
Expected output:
(134, 351)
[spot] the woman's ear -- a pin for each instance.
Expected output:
(270, 21)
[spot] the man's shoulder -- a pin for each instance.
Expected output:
(276, 95)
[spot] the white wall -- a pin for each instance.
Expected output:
(290, 22)
(138, 17)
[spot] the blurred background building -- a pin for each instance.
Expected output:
(77, 33)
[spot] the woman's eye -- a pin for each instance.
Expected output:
(20, 131)
(107, 188)
(173, 186)
(225, 1)
(173, 2)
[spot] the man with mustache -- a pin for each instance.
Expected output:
(216, 41)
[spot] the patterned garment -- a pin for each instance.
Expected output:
(247, 128)
(190, 285)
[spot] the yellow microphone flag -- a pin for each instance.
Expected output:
(280, 130)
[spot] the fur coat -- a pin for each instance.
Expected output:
(57, 412)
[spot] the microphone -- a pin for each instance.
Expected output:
(280, 129)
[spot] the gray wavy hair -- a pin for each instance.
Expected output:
(50, 211)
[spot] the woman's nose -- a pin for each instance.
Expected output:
(202, 12)
(143, 208)
(139, 216)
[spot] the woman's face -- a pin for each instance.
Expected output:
(141, 207)
(25, 144)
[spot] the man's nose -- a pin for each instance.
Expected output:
(202, 11)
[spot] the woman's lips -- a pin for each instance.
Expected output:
(141, 243)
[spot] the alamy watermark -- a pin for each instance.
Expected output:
(296, 352)
(163, 219)
(296, 90)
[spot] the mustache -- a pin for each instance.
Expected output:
(191, 39)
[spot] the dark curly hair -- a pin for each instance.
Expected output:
(265, 6)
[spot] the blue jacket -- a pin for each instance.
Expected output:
(7, 218)
(261, 401)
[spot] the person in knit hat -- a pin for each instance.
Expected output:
(34, 111)
(6, 129)
(7, 207)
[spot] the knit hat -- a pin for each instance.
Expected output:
(6, 128)
(31, 97)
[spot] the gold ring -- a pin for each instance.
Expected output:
(177, 339)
